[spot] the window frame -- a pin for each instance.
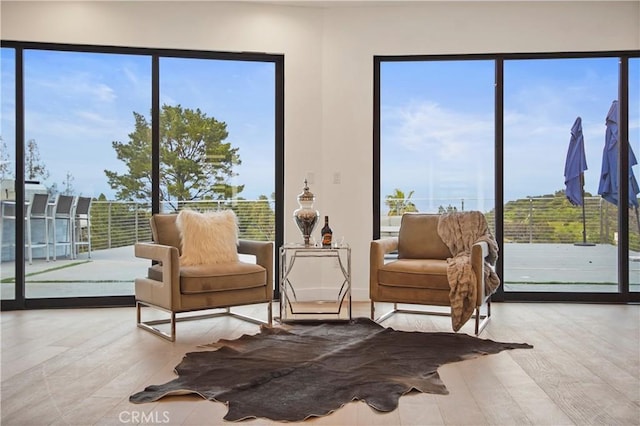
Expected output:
(20, 302)
(623, 294)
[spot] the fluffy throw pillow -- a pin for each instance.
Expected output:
(207, 238)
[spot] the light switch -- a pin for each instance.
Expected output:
(311, 177)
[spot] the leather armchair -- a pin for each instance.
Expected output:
(175, 289)
(419, 274)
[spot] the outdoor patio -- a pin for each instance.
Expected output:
(528, 267)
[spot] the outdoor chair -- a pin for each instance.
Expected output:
(62, 214)
(82, 225)
(37, 237)
(176, 286)
(418, 275)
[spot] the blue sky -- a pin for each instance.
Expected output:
(437, 118)
(438, 126)
(78, 103)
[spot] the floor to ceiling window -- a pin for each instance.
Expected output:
(437, 145)
(437, 142)
(88, 142)
(77, 104)
(634, 144)
(234, 102)
(7, 169)
(558, 236)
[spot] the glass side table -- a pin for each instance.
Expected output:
(297, 262)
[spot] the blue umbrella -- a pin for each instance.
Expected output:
(608, 187)
(575, 165)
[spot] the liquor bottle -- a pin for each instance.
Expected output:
(326, 233)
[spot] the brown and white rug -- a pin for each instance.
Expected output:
(296, 372)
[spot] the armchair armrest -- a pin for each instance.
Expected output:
(479, 251)
(157, 252)
(376, 260)
(263, 251)
(162, 294)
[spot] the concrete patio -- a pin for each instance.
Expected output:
(528, 267)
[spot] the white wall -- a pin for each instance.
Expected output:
(329, 65)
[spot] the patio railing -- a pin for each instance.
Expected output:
(530, 220)
(543, 220)
(117, 224)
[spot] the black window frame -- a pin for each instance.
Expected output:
(623, 295)
(20, 302)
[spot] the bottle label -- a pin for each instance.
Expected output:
(326, 239)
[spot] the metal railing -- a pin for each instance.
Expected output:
(118, 223)
(529, 220)
(549, 219)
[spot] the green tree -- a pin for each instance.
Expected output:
(257, 219)
(399, 204)
(5, 161)
(34, 168)
(68, 184)
(195, 162)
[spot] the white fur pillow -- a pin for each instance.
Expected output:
(206, 238)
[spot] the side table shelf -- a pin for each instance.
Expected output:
(294, 308)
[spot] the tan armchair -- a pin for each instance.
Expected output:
(176, 289)
(419, 274)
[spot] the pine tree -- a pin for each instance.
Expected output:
(195, 162)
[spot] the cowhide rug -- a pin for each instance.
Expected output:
(292, 373)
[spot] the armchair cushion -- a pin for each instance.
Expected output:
(216, 277)
(416, 273)
(418, 238)
(207, 238)
(164, 230)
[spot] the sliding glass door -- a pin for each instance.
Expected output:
(76, 106)
(458, 132)
(558, 237)
(81, 119)
(436, 146)
(634, 144)
(7, 173)
(217, 133)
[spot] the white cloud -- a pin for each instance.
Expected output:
(427, 127)
(101, 91)
(75, 86)
(433, 143)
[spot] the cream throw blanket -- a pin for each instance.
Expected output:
(460, 231)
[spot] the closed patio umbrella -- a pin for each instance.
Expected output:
(574, 167)
(608, 187)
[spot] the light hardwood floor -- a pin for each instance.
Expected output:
(79, 366)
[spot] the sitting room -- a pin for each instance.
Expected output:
(328, 212)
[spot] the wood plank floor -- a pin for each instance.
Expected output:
(79, 366)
